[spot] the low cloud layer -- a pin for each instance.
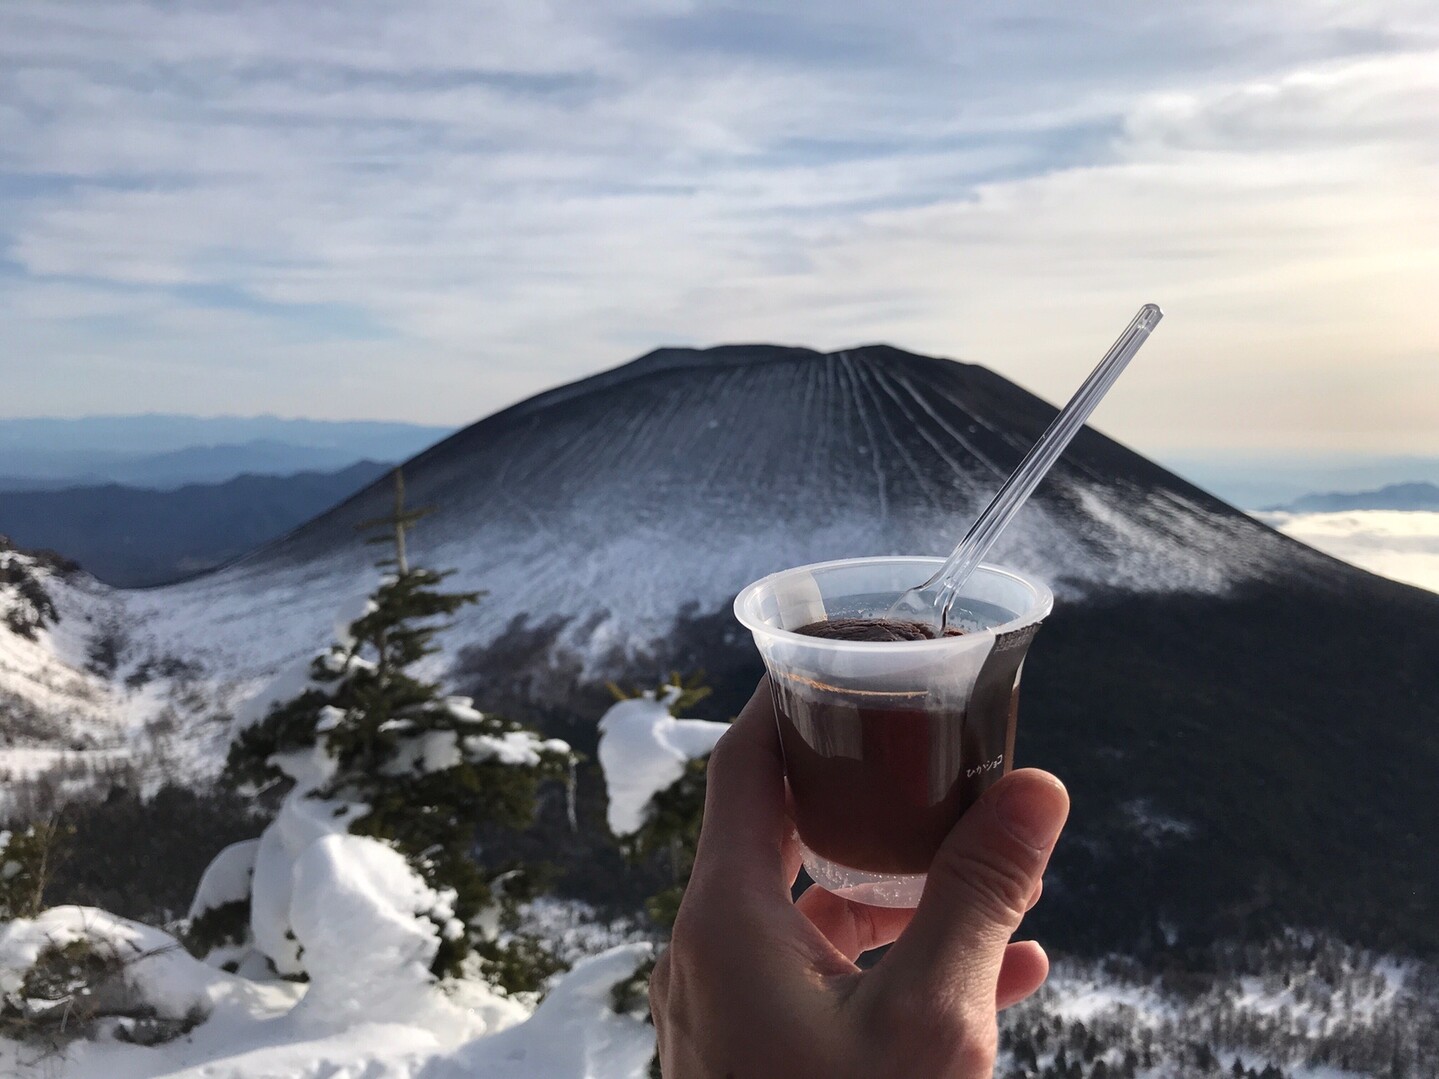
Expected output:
(1402, 545)
(429, 210)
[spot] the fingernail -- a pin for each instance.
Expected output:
(1033, 811)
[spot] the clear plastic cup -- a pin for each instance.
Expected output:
(887, 743)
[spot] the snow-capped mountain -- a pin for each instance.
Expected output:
(1237, 715)
(610, 503)
(603, 508)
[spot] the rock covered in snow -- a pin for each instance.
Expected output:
(644, 749)
(218, 920)
(226, 879)
(301, 822)
(137, 970)
(369, 928)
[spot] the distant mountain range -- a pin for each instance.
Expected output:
(1256, 480)
(165, 451)
(1243, 722)
(1396, 496)
(128, 536)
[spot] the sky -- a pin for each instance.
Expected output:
(426, 211)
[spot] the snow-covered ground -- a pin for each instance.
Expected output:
(351, 915)
(47, 669)
(88, 691)
(1302, 1007)
(1400, 544)
(281, 1030)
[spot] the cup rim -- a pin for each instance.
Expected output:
(1040, 608)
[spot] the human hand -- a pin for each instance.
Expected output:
(754, 985)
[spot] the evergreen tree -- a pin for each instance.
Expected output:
(1203, 1056)
(420, 770)
(1024, 1055)
(1092, 1048)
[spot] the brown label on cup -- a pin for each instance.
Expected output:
(987, 745)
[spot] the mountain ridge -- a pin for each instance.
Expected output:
(167, 450)
(1415, 495)
(135, 537)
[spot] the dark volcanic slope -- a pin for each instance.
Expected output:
(1248, 727)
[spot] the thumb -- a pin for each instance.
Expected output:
(978, 889)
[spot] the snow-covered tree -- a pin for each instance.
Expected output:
(369, 747)
(654, 765)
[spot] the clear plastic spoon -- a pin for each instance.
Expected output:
(930, 602)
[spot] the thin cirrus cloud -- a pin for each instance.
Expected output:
(430, 210)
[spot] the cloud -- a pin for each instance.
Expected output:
(427, 211)
(1403, 546)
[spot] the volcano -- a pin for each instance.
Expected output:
(609, 505)
(1246, 725)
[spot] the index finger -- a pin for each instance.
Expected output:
(743, 832)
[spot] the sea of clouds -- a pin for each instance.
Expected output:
(1402, 545)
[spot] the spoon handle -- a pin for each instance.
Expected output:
(952, 576)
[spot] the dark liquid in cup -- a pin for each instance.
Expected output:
(879, 779)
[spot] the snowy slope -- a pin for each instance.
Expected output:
(280, 1030)
(66, 710)
(43, 670)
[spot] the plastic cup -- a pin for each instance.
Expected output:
(887, 743)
